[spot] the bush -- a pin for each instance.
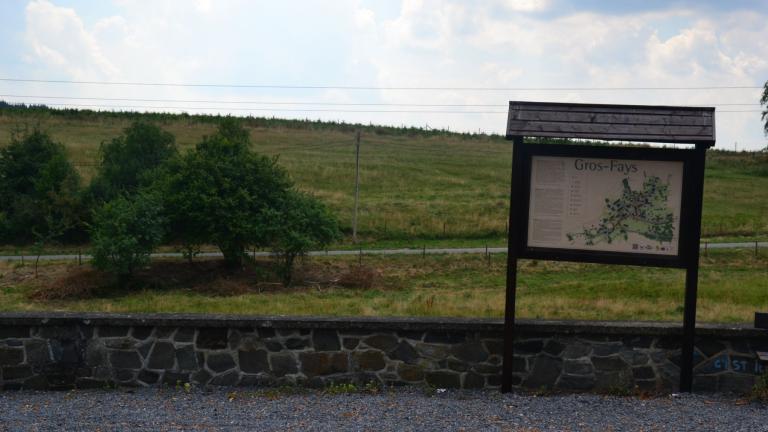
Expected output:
(39, 191)
(127, 160)
(224, 194)
(301, 223)
(125, 231)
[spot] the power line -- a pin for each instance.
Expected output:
(296, 103)
(123, 107)
(337, 87)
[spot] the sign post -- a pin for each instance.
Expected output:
(607, 204)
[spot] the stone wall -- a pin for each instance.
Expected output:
(63, 351)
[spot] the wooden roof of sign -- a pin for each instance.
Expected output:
(646, 123)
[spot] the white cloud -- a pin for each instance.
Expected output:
(426, 43)
(59, 40)
(526, 5)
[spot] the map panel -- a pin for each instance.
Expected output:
(611, 205)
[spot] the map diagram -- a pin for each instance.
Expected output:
(645, 212)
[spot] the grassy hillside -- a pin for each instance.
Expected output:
(414, 183)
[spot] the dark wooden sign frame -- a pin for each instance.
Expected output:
(676, 125)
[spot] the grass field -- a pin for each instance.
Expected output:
(418, 187)
(733, 285)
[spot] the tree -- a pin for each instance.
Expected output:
(127, 160)
(223, 193)
(125, 231)
(39, 190)
(300, 224)
(764, 102)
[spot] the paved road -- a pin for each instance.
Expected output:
(402, 251)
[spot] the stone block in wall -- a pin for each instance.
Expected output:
(187, 358)
(200, 377)
(162, 356)
(184, 334)
(296, 343)
(273, 346)
(528, 346)
(350, 343)
(473, 381)
(266, 332)
(368, 360)
(609, 364)
(283, 363)
(226, 379)
(59, 332)
(11, 373)
(325, 340)
(553, 347)
(575, 382)
(410, 373)
(494, 346)
(432, 351)
(148, 377)
(606, 349)
(14, 332)
(635, 357)
(578, 367)
(736, 383)
(575, 349)
(122, 343)
(212, 338)
(38, 352)
(164, 332)
(315, 364)
(613, 380)
(470, 352)
(253, 361)
(405, 353)
(383, 342)
(544, 372)
(124, 359)
(709, 347)
(11, 356)
(175, 378)
(220, 361)
(141, 332)
(643, 373)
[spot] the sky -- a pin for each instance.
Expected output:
(440, 64)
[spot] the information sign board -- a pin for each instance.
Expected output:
(611, 205)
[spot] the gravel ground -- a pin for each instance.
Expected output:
(401, 410)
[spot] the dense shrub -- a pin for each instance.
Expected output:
(125, 231)
(301, 223)
(39, 191)
(223, 193)
(127, 160)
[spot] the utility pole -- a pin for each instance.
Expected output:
(357, 185)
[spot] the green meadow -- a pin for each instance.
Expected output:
(415, 186)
